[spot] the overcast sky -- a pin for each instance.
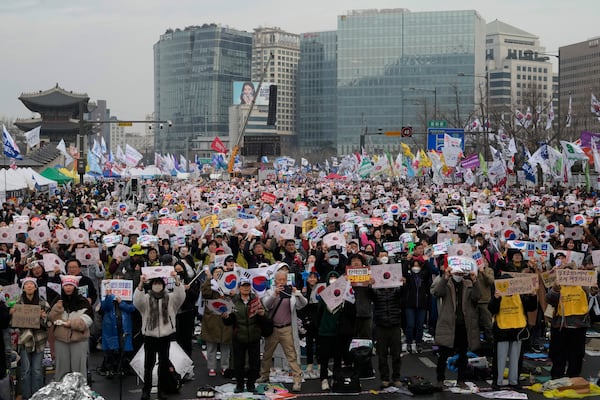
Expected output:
(104, 48)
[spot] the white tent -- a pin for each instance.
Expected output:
(33, 177)
(11, 180)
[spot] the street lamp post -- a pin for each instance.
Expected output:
(487, 108)
(434, 90)
(536, 54)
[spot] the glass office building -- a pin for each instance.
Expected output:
(194, 69)
(317, 90)
(397, 68)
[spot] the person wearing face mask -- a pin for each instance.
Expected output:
(158, 309)
(334, 339)
(308, 316)
(457, 327)
(416, 302)
(568, 327)
(329, 261)
(214, 331)
(387, 316)
(186, 315)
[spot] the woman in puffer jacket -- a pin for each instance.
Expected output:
(72, 316)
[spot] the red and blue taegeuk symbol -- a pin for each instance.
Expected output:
(230, 281)
(219, 306)
(260, 283)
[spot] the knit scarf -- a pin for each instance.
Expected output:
(154, 312)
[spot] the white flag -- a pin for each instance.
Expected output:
(550, 117)
(62, 147)
(120, 155)
(33, 137)
(572, 151)
(132, 156)
(595, 106)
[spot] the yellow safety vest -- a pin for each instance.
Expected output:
(511, 314)
(573, 301)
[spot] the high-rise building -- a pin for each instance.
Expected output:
(397, 68)
(317, 94)
(579, 68)
(520, 74)
(282, 72)
(193, 73)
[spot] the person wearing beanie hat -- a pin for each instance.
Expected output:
(72, 316)
(158, 309)
(32, 340)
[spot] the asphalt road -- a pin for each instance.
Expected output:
(412, 365)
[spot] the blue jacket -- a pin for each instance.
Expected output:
(110, 336)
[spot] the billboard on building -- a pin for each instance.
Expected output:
(244, 92)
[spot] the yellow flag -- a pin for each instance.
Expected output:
(425, 161)
(406, 151)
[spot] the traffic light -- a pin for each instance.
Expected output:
(406, 131)
(272, 116)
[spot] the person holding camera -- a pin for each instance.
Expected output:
(282, 301)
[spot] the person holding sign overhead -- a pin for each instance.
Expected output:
(569, 324)
(158, 309)
(31, 340)
(116, 330)
(457, 326)
(510, 329)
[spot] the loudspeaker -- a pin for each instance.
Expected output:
(272, 116)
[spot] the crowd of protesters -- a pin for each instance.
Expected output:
(460, 311)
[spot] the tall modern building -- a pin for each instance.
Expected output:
(520, 73)
(194, 69)
(397, 68)
(282, 72)
(317, 94)
(579, 67)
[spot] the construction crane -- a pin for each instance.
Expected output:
(236, 148)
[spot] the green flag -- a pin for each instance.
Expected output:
(483, 165)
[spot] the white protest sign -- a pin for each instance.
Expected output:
(52, 261)
(393, 247)
(164, 271)
(333, 295)
(122, 288)
(386, 276)
(88, 255)
(462, 264)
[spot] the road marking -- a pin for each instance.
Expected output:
(427, 362)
